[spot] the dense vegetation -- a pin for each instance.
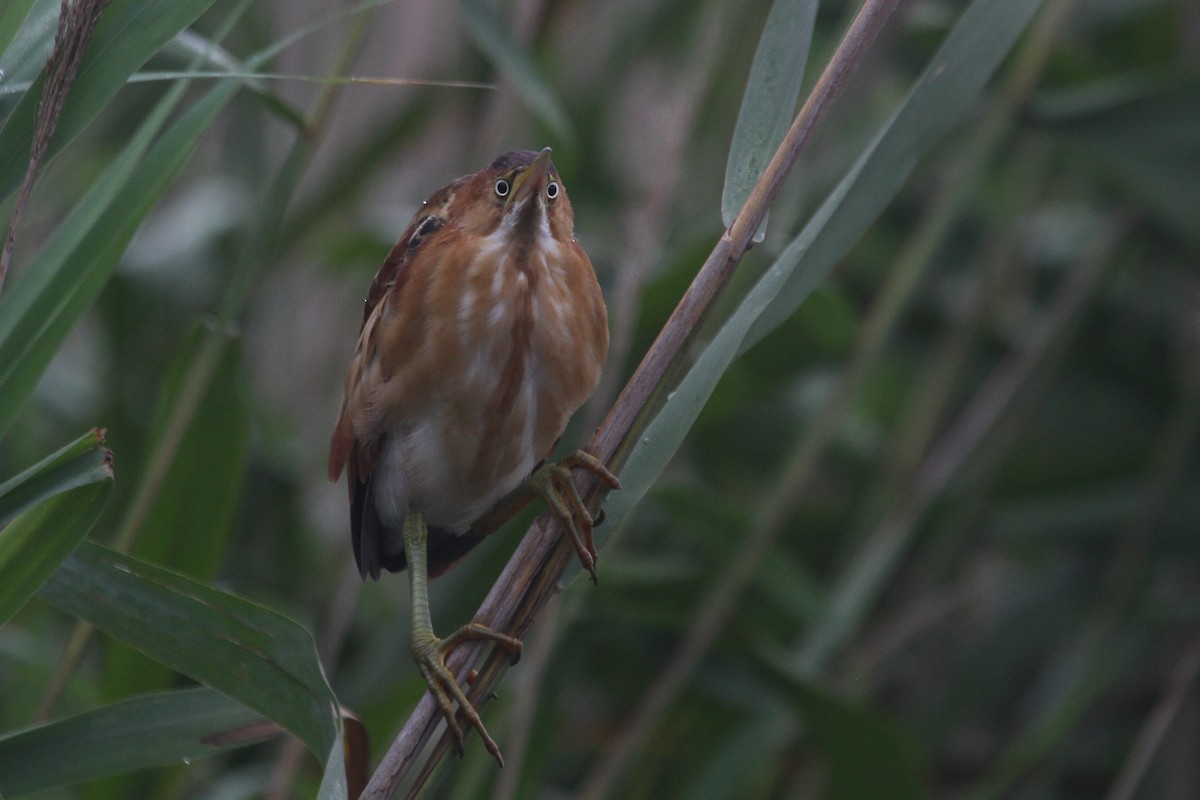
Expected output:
(934, 533)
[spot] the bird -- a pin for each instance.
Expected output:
(483, 332)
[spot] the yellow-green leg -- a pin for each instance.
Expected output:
(554, 484)
(430, 652)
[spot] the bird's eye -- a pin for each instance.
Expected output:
(502, 188)
(552, 190)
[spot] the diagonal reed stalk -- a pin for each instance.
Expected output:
(533, 572)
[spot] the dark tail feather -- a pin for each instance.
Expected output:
(378, 548)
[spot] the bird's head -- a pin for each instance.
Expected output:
(521, 197)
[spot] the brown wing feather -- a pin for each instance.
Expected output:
(343, 448)
(347, 452)
(388, 280)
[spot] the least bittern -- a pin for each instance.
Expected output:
(484, 331)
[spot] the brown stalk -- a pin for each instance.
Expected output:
(533, 572)
(76, 21)
(649, 202)
(649, 205)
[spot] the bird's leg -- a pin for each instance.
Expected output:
(554, 484)
(429, 652)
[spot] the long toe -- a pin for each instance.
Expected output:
(555, 485)
(446, 691)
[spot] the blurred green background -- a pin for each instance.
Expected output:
(936, 535)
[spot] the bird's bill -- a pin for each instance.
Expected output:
(530, 180)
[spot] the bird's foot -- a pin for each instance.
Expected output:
(554, 484)
(430, 654)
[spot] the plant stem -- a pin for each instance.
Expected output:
(535, 568)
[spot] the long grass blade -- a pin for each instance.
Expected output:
(252, 654)
(141, 732)
(769, 101)
(129, 33)
(37, 540)
(948, 89)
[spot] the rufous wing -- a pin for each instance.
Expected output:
(356, 452)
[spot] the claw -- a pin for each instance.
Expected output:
(430, 654)
(554, 484)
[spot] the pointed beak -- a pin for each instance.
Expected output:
(530, 181)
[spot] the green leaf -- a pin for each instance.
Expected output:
(190, 521)
(128, 34)
(40, 308)
(13, 15)
(333, 779)
(138, 733)
(65, 277)
(769, 102)
(949, 87)
(26, 38)
(249, 653)
(490, 32)
(37, 541)
(81, 462)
